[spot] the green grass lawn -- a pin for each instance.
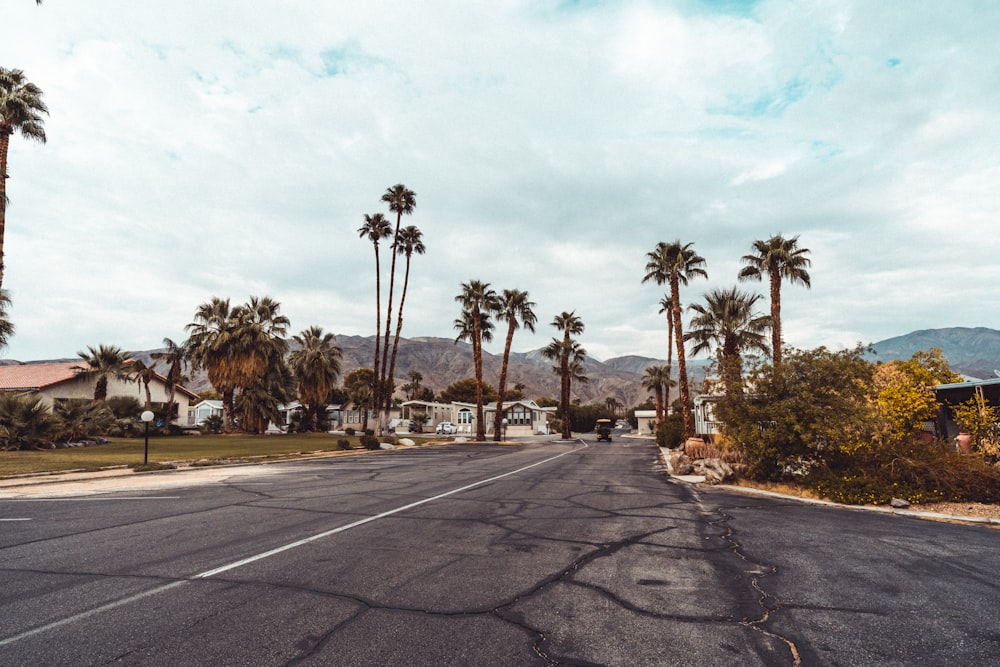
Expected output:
(129, 451)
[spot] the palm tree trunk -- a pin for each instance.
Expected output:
(775, 318)
(682, 380)
(4, 145)
(498, 417)
(227, 410)
(477, 355)
(384, 379)
(376, 385)
(670, 356)
(399, 329)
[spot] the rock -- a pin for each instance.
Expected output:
(681, 465)
(386, 445)
(406, 442)
(899, 502)
(715, 471)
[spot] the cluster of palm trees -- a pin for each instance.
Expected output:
(480, 305)
(406, 241)
(726, 322)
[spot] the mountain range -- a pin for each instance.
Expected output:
(440, 361)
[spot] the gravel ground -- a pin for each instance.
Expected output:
(960, 509)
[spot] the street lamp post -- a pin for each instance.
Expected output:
(503, 429)
(146, 417)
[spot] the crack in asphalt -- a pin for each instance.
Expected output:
(767, 602)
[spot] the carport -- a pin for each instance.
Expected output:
(960, 392)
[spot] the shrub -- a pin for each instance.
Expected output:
(370, 442)
(913, 470)
(26, 423)
(212, 424)
(349, 430)
(343, 444)
(670, 431)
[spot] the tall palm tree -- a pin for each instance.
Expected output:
(21, 109)
(478, 302)
(515, 309)
(728, 323)
(409, 241)
(375, 229)
(657, 378)
(316, 366)
(174, 356)
(107, 362)
(781, 259)
(564, 352)
(6, 326)
(675, 264)
(401, 201)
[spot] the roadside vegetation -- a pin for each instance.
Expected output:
(196, 450)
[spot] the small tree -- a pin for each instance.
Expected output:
(979, 419)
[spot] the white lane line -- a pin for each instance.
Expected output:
(272, 552)
(79, 498)
(16, 519)
(361, 522)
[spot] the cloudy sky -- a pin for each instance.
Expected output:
(209, 149)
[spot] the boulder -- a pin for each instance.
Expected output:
(406, 442)
(681, 464)
(715, 471)
(900, 503)
(386, 445)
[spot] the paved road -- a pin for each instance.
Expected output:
(479, 554)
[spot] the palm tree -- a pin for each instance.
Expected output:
(728, 323)
(138, 371)
(6, 326)
(408, 242)
(21, 109)
(657, 379)
(515, 309)
(478, 301)
(105, 363)
(781, 259)
(412, 388)
(316, 366)
(400, 201)
(675, 264)
(210, 345)
(565, 351)
(376, 228)
(174, 356)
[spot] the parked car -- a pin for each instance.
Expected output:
(446, 428)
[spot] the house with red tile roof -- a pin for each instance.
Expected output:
(60, 380)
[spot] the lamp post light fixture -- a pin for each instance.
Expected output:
(146, 417)
(503, 429)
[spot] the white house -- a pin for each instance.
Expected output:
(61, 381)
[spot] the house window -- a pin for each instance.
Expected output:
(519, 416)
(465, 417)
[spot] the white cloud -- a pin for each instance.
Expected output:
(204, 150)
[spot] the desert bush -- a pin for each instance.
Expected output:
(212, 424)
(349, 431)
(26, 423)
(369, 442)
(913, 470)
(670, 431)
(343, 444)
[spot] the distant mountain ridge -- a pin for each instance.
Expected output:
(441, 362)
(973, 351)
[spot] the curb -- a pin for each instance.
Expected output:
(697, 479)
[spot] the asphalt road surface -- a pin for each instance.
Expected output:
(480, 554)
